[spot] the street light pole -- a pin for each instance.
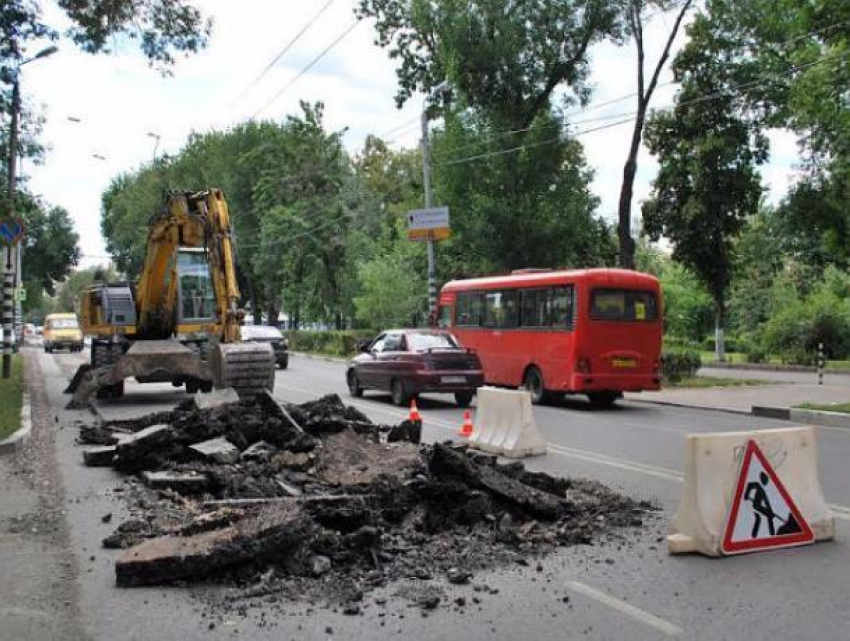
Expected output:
(13, 263)
(426, 179)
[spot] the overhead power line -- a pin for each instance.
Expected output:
(307, 68)
(283, 51)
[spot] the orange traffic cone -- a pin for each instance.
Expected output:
(414, 415)
(466, 429)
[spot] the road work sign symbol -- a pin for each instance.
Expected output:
(763, 515)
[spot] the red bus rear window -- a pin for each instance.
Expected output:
(623, 305)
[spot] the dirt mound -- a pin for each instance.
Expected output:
(312, 499)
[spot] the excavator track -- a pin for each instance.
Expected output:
(249, 368)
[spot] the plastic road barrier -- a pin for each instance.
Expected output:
(504, 424)
(750, 491)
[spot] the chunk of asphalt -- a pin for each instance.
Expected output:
(180, 482)
(217, 450)
(447, 462)
(136, 451)
(271, 534)
(216, 398)
(99, 456)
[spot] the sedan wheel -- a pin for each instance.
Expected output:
(354, 384)
(463, 399)
(400, 395)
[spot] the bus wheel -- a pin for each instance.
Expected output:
(400, 395)
(603, 400)
(533, 382)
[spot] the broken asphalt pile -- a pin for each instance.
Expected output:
(315, 499)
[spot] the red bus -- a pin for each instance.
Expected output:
(590, 331)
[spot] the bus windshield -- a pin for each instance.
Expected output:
(625, 305)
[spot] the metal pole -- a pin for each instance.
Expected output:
(9, 273)
(426, 177)
(821, 363)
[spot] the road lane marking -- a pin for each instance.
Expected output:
(840, 512)
(611, 461)
(631, 611)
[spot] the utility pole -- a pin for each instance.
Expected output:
(9, 267)
(426, 178)
(13, 262)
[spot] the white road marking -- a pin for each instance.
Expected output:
(623, 464)
(634, 612)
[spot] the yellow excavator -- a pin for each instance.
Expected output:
(181, 321)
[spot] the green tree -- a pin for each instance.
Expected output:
(389, 297)
(707, 184)
(161, 28)
(507, 62)
(528, 208)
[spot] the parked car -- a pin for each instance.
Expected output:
(268, 334)
(408, 362)
(62, 330)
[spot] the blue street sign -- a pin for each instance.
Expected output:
(11, 231)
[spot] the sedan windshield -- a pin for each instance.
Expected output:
(63, 323)
(423, 342)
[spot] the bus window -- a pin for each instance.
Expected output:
(562, 307)
(469, 309)
(623, 305)
(444, 320)
(500, 309)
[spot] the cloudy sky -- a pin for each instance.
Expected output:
(109, 114)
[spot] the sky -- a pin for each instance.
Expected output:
(109, 114)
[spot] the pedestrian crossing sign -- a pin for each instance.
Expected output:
(762, 515)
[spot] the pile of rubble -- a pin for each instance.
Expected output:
(317, 496)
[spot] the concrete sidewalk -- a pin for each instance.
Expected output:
(742, 399)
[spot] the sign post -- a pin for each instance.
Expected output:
(429, 224)
(11, 232)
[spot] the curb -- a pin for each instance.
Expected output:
(767, 367)
(15, 441)
(704, 408)
(810, 417)
(819, 417)
(320, 357)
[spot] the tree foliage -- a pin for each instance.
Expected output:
(707, 183)
(506, 61)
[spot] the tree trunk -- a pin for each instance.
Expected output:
(719, 320)
(624, 214)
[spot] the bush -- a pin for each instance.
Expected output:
(756, 355)
(731, 343)
(796, 331)
(679, 364)
(331, 343)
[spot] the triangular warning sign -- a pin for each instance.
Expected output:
(763, 515)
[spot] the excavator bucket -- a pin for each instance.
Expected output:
(249, 368)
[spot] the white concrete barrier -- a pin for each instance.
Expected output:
(504, 424)
(712, 466)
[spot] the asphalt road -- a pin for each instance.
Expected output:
(625, 589)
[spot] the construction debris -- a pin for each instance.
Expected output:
(317, 493)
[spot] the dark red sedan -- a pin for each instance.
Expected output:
(407, 362)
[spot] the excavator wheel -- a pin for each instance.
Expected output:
(249, 368)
